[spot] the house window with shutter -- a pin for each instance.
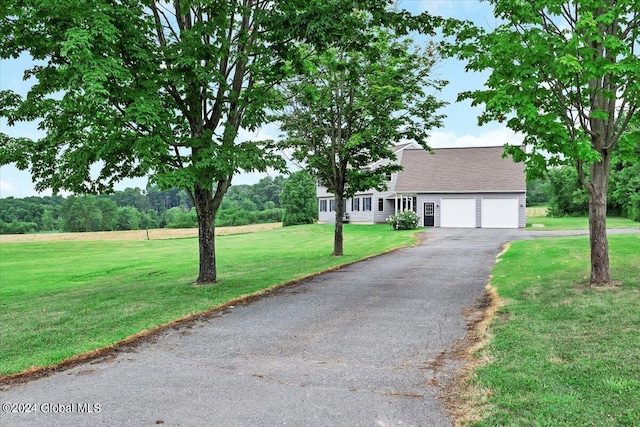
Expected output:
(366, 204)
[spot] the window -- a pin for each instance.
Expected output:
(408, 204)
(323, 205)
(388, 176)
(380, 205)
(355, 204)
(366, 203)
(332, 205)
(428, 209)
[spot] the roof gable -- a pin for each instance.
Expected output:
(397, 150)
(477, 169)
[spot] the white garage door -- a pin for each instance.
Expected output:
(458, 213)
(500, 213)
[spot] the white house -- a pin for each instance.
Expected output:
(449, 187)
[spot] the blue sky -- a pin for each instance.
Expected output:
(460, 128)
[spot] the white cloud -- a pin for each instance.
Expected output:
(262, 134)
(6, 187)
(494, 137)
(17, 183)
(251, 178)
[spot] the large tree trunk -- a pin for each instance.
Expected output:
(207, 204)
(207, 247)
(600, 274)
(206, 236)
(338, 238)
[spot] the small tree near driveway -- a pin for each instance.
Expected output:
(354, 103)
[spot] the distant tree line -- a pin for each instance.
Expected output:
(134, 209)
(563, 193)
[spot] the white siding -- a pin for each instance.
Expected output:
(361, 215)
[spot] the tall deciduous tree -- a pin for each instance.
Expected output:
(356, 101)
(298, 198)
(81, 214)
(133, 87)
(565, 74)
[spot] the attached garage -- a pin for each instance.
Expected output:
(458, 212)
(500, 213)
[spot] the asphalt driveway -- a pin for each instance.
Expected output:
(353, 347)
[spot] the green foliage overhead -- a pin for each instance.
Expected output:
(355, 104)
(126, 89)
(562, 73)
(134, 88)
(138, 87)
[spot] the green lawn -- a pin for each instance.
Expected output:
(561, 353)
(575, 223)
(62, 299)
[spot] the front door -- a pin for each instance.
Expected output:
(429, 214)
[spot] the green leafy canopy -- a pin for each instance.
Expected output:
(562, 73)
(137, 87)
(355, 103)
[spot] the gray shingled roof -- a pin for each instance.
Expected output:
(459, 170)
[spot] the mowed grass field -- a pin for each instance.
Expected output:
(62, 299)
(153, 234)
(537, 220)
(561, 353)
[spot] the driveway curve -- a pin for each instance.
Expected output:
(353, 347)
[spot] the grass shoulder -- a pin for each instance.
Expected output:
(547, 223)
(561, 353)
